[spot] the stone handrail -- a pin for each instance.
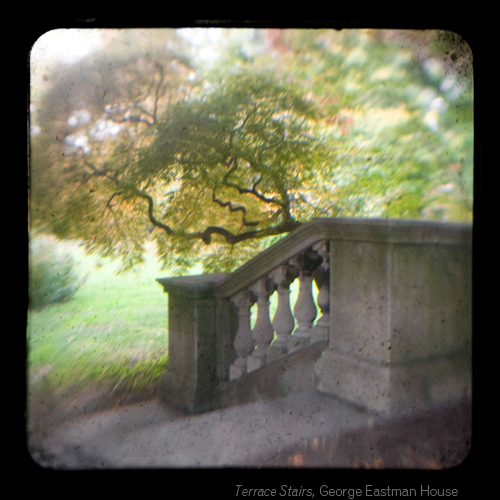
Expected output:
(326, 229)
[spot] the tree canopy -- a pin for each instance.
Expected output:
(216, 142)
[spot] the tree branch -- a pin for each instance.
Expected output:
(232, 238)
(108, 204)
(127, 117)
(240, 127)
(151, 217)
(101, 173)
(320, 209)
(239, 208)
(254, 192)
(136, 119)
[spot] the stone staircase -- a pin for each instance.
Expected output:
(392, 320)
(387, 346)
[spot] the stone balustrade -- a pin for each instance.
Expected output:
(392, 316)
(270, 340)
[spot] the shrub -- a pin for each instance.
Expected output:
(53, 271)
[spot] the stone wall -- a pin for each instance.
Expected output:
(401, 317)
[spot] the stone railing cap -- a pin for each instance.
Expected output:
(196, 286)
(393, 231)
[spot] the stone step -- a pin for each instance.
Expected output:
(151, 435)
(306, 429)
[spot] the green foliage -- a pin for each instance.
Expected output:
(54, 274)
(216, 159)
(244, 130)
(399, 111)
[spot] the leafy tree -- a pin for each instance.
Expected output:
(215, 161)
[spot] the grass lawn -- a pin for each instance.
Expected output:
(114, 332)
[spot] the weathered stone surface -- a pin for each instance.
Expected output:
(191, 374)
(401, 316)
(396, 388)
(292, 374)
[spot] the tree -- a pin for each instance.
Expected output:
(219, 160)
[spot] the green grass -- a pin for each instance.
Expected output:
(113, 332)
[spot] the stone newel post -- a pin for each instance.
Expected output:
(191, 376)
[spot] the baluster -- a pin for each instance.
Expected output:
(243, 342)
(283, 321)
(305, 309)
(263, 332)
(321, 330)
